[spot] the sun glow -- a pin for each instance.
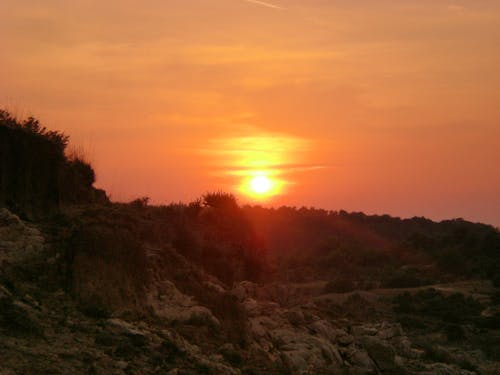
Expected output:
(260, 167)
(261, 184)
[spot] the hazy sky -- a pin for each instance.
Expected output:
(388, 106)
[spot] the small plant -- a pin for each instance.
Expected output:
(33, 126)
(140, 203)
(220, 200)
(340, 285)
(454, 332)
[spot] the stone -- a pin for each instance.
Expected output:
(244, 290)
(324, 329)
(295, 362)
(345, 339)
(388, 331)
(295, 316)
(382, 353)
(364, 331)
(360, 358)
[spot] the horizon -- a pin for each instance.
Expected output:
(388, 109)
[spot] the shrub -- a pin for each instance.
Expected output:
(232, 356)
(17, 321)
(454, 308)
(220, 200)
(496, 280)
(95, 310)
(408, 278)
(140, 203)
(340, 285)
(454, 332)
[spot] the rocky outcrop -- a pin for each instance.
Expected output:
(18, 241)
(127, 310)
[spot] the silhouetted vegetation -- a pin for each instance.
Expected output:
(374, 251)
(35, 174)
(340, 285)
(453, 308)
(16, 321)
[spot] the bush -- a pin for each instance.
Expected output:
(454, 308)
(17, 321)
(454, 332)
(232, 356)
(94, 310)
(140, 203)
(496, 280)
(221, 200)
(340, 285)
(407, 278)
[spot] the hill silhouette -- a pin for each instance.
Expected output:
(211, 286)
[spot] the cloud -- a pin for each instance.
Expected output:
(263, 3)
(275, 169)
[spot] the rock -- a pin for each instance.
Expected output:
(324, 329)
(295, 316)
(332, 354)
(388, 331)
(360, 358)
(19, 319)
(252, 307)
(19, 242)
(284, 336)
(345, 339)
(199, 315)
(403, 346)
(214, 286)
(244, 290)
(364, 331)
(382, 353)
(295, 362)
(258, 328)
(4, 293)
(122, 327)
(300, 348)
(167, 302)
(399, 361)
(445, 369)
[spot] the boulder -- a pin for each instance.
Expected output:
(244, 290)
(345, 339)
(364, 330)
(382, 353)
(324, 329)
(360, 358)
(388, 331)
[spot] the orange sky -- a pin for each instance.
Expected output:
(376, 106)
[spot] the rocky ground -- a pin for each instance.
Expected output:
(180, 320)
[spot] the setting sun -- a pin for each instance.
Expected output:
(261, 184)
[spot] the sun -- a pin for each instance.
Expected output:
(261, 184)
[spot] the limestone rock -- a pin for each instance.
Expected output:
(382, 353)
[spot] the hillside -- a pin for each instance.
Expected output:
(89, 286)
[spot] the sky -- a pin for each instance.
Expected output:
(386, 107)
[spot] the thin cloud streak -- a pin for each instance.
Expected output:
(268, 5)
(273, 169)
